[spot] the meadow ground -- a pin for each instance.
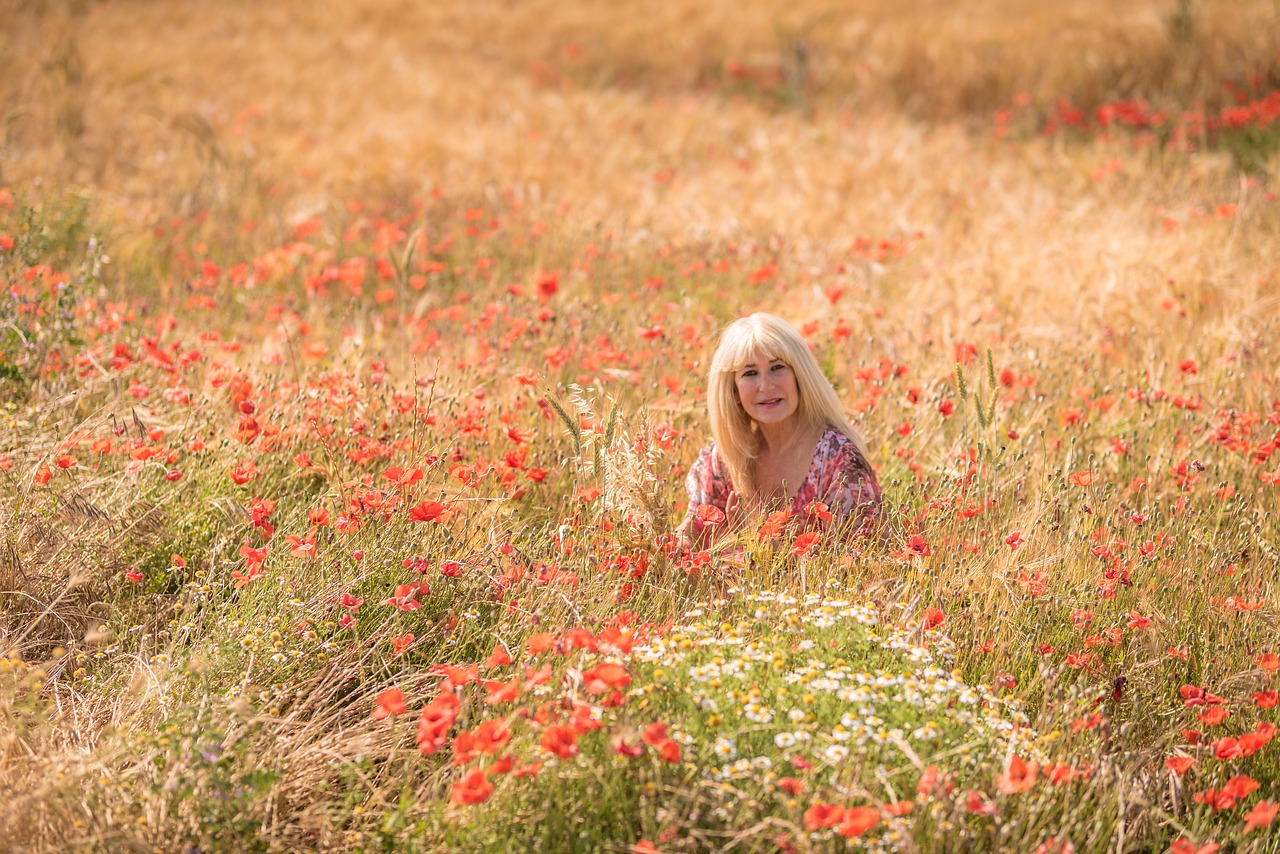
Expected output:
(352, 355)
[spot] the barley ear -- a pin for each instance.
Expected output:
(598, 465)
(992, 386)
(575, 429)
(611, 426)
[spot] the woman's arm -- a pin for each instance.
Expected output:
(702, 522)
(852, 492)
(711, 500)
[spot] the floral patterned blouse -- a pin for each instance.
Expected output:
(838, 477)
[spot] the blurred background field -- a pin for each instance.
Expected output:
(587, 99)
(1035, 245)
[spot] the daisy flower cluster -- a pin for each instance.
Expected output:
(780, 704)
(803, 695)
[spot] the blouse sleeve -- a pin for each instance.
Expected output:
(706, 484)
(851, 490)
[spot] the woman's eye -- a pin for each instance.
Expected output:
(779, 367)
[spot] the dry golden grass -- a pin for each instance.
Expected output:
(329, 100)
(122, 95)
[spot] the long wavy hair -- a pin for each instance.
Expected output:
(766, 337)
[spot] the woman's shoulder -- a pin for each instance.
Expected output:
(708, 482)
(709, 452)
(838, 453)
(846, 479)
(709, 461)
(835, 443)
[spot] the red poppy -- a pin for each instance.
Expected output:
(560, 740)
(1182, 845)
(473, 788)
(654, 734)
(389, 702)
(243, 472)
(1191, 696)
(430, 511)
(498, 658)
(899, 808)
(536, 677)
(773, 524)
(1215, 798)
(1240, 787)
(857, 821)
(917, 546)
(1226, 748)
(435, 721)
(465, 748)
(617, 639)
(818, 509)
(404, 598)
(709, 514)
(820, 816)
(805, 543)
(668, 750)
(604, 677)
(502, 692)
(1018, 776)
(403, 477)
(976, 804)
(455, 677)
(1060, 773)
(303, 547)
(1213, 715)
(1262, 814)
(928, 780)
(791, 785)
(530, 770)
(538, 643)
(626, 748)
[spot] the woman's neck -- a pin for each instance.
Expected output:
(780, 438)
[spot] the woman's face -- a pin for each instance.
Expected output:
(767, 390)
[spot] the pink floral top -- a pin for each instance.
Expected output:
(838, 477)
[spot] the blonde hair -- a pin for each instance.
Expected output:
(768, 337)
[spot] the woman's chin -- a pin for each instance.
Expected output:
(772, 415)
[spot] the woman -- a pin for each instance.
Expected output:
(781, 440)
